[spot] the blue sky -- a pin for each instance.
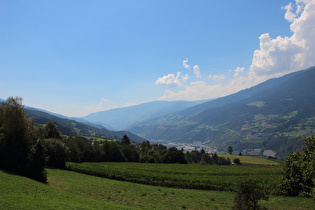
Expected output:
(77, 57)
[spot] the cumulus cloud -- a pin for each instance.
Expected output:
(287, 54)
(169, 80)
(186, 66)
(102, 106)
(197, 71)
(201, 90)
(289, 15)
(185, 78)
(195, 91)
(238, 70)
(217, 77)
(275, 57)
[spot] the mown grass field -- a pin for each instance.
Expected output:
(191, 176)
(17, 192)
(248, 160)
(71, 190)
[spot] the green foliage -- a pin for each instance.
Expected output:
(230, 150)
(56, 152)
(152, 153)
(237, 161)
(125, 140)
(131, 153)
(19, 152)
(15, 139)
(206, 159)
(248, 193)
(112, 152)
(37, 162)
(51, 131)
(173, 155)
(299, 171)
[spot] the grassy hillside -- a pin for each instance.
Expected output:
(17, 192)
(247, 160)
(70, 190)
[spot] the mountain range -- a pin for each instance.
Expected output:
(75, 126)
(123, 118)
(273, 115)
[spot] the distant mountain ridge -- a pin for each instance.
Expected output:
(72, 127)
(69, 126)
(123, 118)
(272, 115)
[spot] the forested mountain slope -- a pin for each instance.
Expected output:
(67, 126)
(122, 118)
(273, 115)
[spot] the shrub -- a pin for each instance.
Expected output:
(248, 193)
(237, 161)
(298, 175)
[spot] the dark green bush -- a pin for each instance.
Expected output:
(248, 193)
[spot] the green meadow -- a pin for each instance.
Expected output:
(18, 192)
(248, 160)
(72, 190)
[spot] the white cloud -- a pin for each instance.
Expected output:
(186, 66)
(169, 80)
(197, 71)
(289, 15)
(284, 55)
(218, 77)
(195, 91)
(238, 70)
(276, 57)
(102, 106)
(201, 90)
(185, 78)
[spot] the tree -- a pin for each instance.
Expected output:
(230, 150)
(56, 152)
(298, 175)
(206, 159)
(248, 193)
(174, 155)
(112, 152)
(125, 140)
(215, 159)
(51, 131)
(15, 139)
(19, 152)
(37, 163)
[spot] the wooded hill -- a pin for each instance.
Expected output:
(73, 127)
(273, 115)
